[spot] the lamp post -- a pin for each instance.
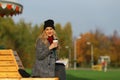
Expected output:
(69, 55)
(92, 59)
(75, 54)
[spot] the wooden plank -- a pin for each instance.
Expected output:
(39, 79)
(5, 54)
(4, 51)
(10, 62)
(9, 78)
(5, 58)
(29, 79)
(9, 75)
(12, 68)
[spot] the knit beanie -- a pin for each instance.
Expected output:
(49, 23)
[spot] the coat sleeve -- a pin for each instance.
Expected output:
(42, 51)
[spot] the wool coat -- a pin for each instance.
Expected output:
(45, 61)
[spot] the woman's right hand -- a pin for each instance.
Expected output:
(53, 45)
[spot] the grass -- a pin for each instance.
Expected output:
(92, 75)
(85, 74)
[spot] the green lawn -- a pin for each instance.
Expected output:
(91, 75)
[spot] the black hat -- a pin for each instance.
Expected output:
(49, 23)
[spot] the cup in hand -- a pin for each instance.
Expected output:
(55, 41)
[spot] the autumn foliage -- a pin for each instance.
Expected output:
(102, 46)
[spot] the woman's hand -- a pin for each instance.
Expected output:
(53, 45)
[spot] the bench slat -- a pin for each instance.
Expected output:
(4, 51)
(13, 68)
(9, 74)
(9, 78)
(7, 63)
(5, 58)
(29, 79)
(39, 79)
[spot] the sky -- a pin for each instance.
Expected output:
(84, 15)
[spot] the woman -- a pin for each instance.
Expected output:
(46, 52)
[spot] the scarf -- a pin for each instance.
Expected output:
(50, 39)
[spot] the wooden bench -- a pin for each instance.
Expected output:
(9, 65)
(29, 79)
(97, 67)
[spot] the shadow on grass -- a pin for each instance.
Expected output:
(71, 77)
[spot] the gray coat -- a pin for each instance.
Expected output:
(45, 61)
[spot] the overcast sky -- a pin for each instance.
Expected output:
(84, 15)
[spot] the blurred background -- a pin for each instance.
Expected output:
(88, 31)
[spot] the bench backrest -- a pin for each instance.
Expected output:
(18, 60)
(8, 65)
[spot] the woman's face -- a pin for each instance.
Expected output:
(49, 31)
